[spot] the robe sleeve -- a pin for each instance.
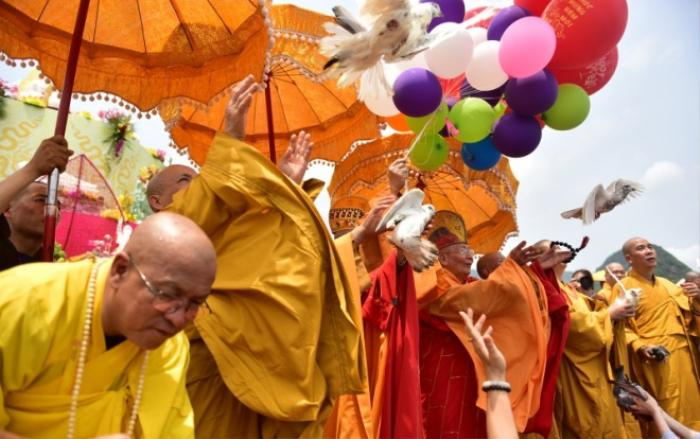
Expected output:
(593, 331)
(509, 300)
(25, 337)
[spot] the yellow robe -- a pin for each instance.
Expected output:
(606, 294)
(585, 406)
(518, 315)
(283, 334)
(661, 320)
(42, 310)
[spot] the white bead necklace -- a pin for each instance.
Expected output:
(73, 413)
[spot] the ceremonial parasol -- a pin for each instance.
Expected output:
(297, 98)
(142, 51)
(484, 199)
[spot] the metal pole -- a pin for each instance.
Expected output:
(51, 210)
(270, 123)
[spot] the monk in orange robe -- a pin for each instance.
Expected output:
(450, 376)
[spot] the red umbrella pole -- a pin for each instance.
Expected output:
(51, 211)
(270, 124)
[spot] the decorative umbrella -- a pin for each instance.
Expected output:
(296, 99)
(484, 199)
(143, 51)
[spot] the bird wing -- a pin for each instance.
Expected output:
(597, 196)
(345, 19)
(573, 213)
(406, 205)
(625, 189)
(376, 8)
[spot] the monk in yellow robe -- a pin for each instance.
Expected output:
(282, 339)
(664, 318)
(118, 365)
(585, 406)
(605, 294)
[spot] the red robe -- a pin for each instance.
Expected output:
(560, 320)
(390, 307)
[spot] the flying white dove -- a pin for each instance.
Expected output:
(602, 200)
(409, 217)
(397, 31)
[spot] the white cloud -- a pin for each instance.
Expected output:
(689, 255)
(661, 172)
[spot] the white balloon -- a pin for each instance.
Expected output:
(382, 106)
(478, 34)
(451, 53)
(484, 72)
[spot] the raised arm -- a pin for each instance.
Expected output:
(52, 153)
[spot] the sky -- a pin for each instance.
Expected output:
(643, 126)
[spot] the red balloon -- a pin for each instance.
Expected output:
(534, 7)
(592, 77)
(586, 29)
(485, 21)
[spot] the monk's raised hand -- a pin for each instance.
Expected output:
(397, 175)
(238, 106)
(524, 255)
(691, 290)
(492, 358)
(552, 257)
(368, 228)
(295, 160)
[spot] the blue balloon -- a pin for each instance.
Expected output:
(481, 155)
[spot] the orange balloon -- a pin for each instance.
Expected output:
(398, 123)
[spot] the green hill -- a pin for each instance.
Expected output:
(667, 265)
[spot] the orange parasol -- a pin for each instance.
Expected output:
(297, 99)
(142, 51)
(484, 199)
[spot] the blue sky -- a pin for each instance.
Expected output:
(644, 126)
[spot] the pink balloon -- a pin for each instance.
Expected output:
(527, 46)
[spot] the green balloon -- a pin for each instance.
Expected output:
(570, 109)
(499, 110)
(434, 120)
(429, 152)
(473, 118)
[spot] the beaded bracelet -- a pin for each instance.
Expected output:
(502, 386)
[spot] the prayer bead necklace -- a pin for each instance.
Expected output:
(73, 413)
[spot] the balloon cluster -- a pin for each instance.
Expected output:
(493, 81)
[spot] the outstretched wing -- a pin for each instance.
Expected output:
(408, 204)
(624, 189)
(376, 8)
(597, 197)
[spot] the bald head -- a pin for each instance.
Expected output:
(166, 183)
(640, 254)
(157, 284)
(694, 277)
(168, 239)
(488, 263)
(617, 269)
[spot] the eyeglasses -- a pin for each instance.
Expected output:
(169, 303)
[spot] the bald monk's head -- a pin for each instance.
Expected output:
(159, 281)
(617, 269)
(166, 183)
(694, 277)
(640, 254)
(488, 263)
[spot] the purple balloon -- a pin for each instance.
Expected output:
(533, 94)
(452, 10)
(417, 92)
(503, 19)
(516, 136)
(491, 96)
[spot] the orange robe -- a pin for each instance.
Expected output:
(511, 298)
